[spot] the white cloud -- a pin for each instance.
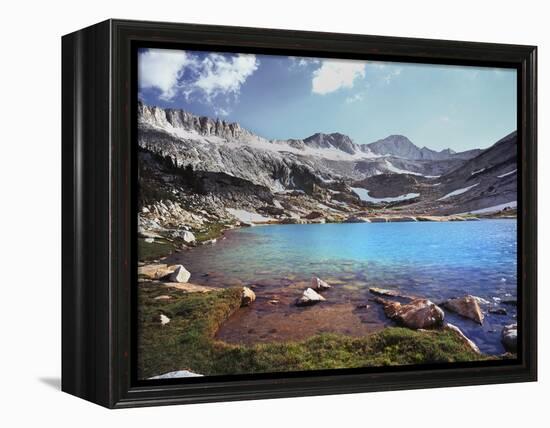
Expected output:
(208, 77)
(161, 69)
(336, 74)
(224, 75)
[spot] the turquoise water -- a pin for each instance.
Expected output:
(436, 260)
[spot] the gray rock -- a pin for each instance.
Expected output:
(180, 275)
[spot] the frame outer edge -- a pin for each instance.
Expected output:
(109, 367)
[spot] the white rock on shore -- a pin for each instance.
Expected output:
(176, 374)
(180, 274)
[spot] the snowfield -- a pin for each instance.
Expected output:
(493, 209)
(248, 216)
(457, 192)
(364, 196)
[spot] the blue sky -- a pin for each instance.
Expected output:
(288, 97)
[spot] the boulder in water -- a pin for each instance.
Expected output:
(418, 314)
(309, 297)
(509, 337)
(318, 284)
(466, 306)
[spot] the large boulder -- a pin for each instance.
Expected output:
(463, 337)
(418, 314)
(467, 306)
(180, 275)
(509, 337)
(318, 284)
(247, 296)
(309, 297)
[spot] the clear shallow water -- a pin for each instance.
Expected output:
(436, 260)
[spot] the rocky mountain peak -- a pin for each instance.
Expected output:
(177, 118)
(333, 140)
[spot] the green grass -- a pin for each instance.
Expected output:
(211, 231)
(188, 343)
(154, 250)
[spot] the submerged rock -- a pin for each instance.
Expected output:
(498, 311)
(418, 314)
(386, 292)
(466, 306)
(318, 284)
(247, 296)
(464, 338)
(309, 297)
(509, 337)
(180, 275)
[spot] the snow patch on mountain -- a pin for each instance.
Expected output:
(364, 196)
(507, 174)
(457, 192)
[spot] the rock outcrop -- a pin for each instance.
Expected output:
(466, 306)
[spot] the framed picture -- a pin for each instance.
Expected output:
(253, 213)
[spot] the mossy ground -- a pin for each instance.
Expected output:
(154, 250)
(188, 342)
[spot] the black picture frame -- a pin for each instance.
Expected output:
(99, 221)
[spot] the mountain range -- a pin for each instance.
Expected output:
(332, 165)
